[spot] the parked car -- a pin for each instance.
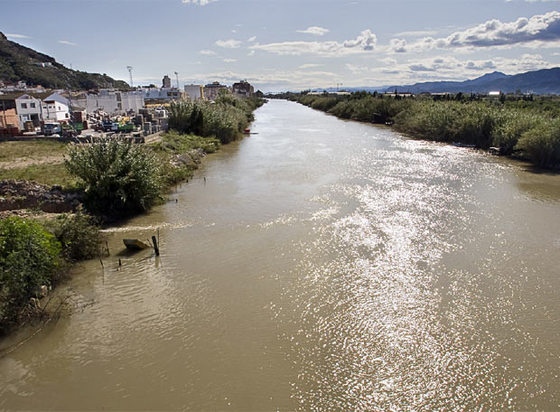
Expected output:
(51, 128)
(109, 126)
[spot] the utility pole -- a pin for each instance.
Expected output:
(177, 77)
(129, 68)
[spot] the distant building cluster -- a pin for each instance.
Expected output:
(195, 92)
(28, 109)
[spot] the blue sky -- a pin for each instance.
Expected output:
(290, 44)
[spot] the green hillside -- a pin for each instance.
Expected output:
(20, 63)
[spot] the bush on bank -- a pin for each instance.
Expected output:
(29, 259)
(118, 177)
(33, 255)
(224, 119)
(79, 235)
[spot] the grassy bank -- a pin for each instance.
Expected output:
(118, 179)
(527, 127)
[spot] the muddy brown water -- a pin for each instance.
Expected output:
(320, 265)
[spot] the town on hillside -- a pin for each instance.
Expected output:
(33, 111)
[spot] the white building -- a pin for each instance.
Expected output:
(55, 108)
(165, 93)
(111, 102)
(194, 91)
(28, 108)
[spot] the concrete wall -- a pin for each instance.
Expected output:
(112, 102)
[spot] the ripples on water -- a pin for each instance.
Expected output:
(383, 322)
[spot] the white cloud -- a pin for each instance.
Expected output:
(230, 60)
(17, 36)
(198, 2)
(251, 53)
(365, 42)
(397, 45)
(314, 30)
(494, 33)
(228, 44)
(207, 52)
(309, 66)
(67, 42)
(252, 39)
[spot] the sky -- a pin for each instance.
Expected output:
(280, 45)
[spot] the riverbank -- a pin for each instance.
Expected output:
(44, 229)
(524, 128)
(111, 180)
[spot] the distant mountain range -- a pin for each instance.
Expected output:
(20, 63)
(545, 81)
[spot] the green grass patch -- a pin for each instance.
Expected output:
(47, 173)
(10, 151)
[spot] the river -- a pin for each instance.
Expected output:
(318, 264)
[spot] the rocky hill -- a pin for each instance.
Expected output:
(20, 63)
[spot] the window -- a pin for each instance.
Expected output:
(32, 105)
(66, 114)
(24, 105)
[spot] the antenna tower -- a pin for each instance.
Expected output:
(129, 68)
(177, 78)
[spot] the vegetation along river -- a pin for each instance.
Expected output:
(317, 265)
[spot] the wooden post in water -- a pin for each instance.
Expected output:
(156, 248)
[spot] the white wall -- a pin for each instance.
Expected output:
(194, 91)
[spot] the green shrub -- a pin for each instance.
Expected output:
(118, 177)
(541, 144)
(511, 126)
(29, 258)
(224, 119)
(79, 236)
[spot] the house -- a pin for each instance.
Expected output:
(212, 90)
(243, 89)
(56, 108)
(29, 109)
